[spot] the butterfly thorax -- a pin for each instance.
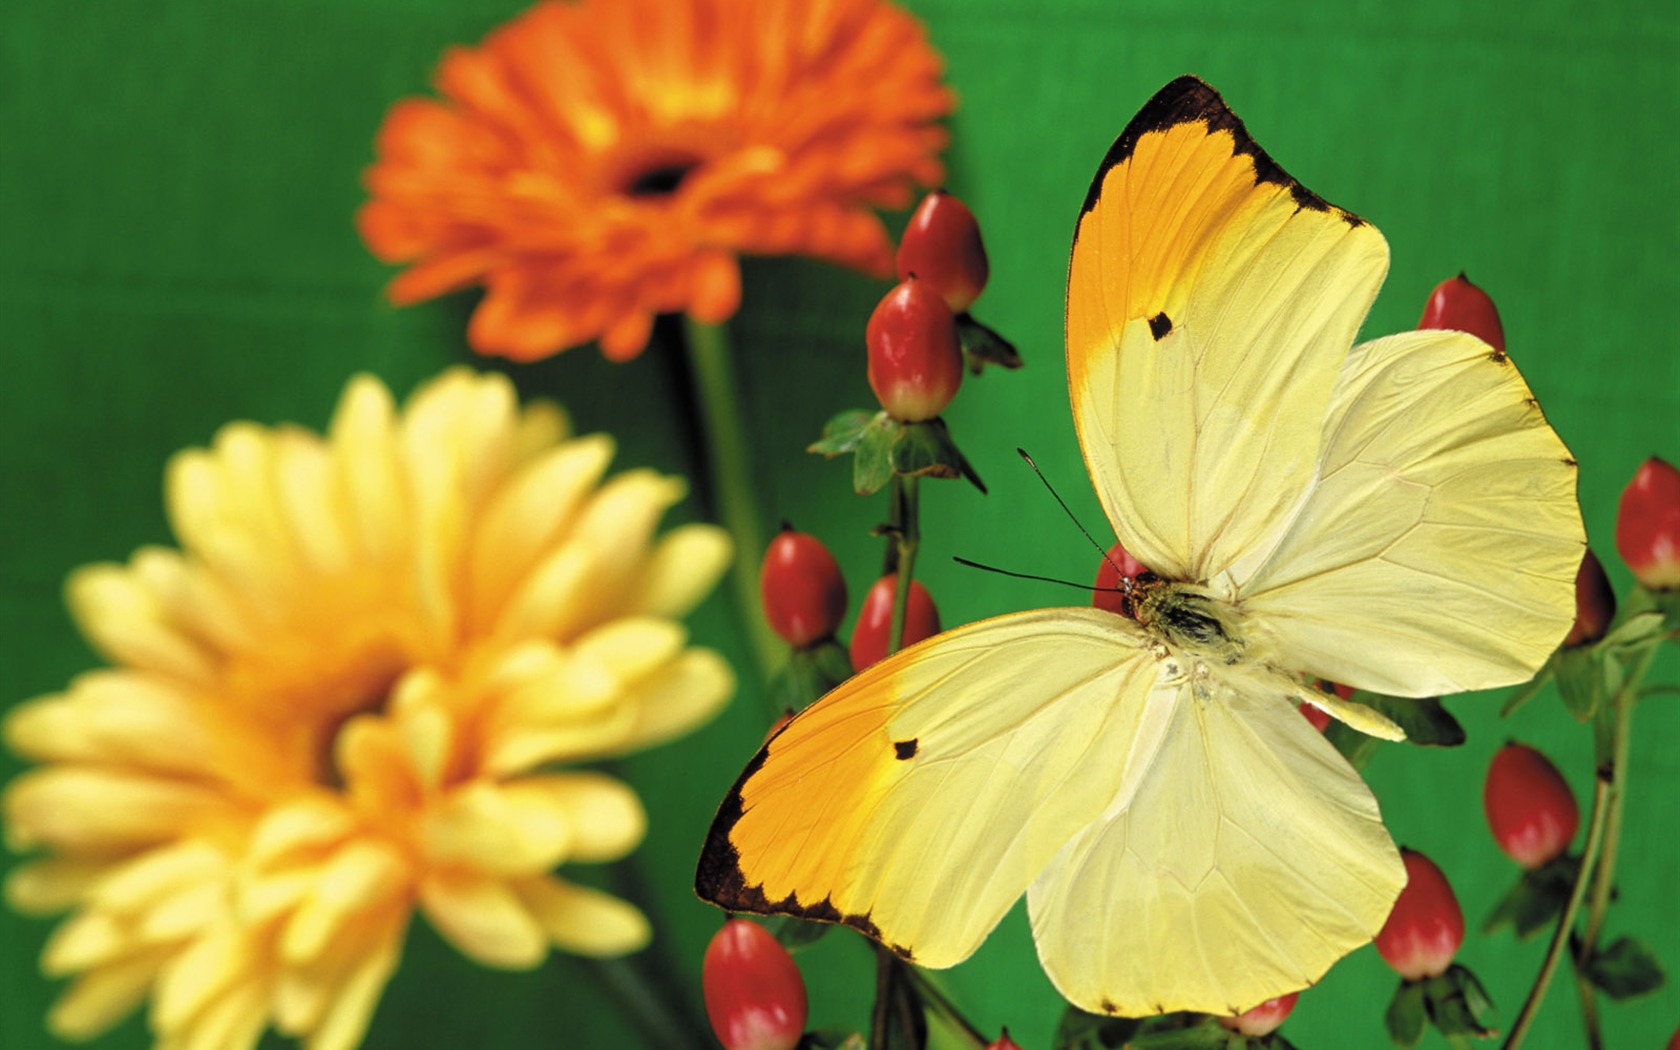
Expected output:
(1187, 618)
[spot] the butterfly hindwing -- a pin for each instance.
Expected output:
(1437, 549)
(917, 800)
(1250, 858)
(1211, 299)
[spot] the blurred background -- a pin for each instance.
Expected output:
(177, 186)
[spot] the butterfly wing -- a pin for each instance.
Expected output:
(918, 800)
(1437, 548)
(1250, 858)
(1211, 300)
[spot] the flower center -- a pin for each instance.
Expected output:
(661, 181)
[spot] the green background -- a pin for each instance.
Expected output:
(178, 181)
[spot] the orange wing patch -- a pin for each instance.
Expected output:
(859, 761)
(1184, 168)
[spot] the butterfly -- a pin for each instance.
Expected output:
(1396, 516)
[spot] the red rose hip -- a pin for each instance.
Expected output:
(1595, 603)
(942, 247)
(1263, 1019)
(869, 637)
(1529, 806)
(755, 997)
(1426, 927)
(803, 592)
(915, 357)
(1106, 592)
(1461, 306)
(1648, 525)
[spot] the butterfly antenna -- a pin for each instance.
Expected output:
(1023, 575)
(1126, 581)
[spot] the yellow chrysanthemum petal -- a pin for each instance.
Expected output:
(193, 978)
(364, 452)
(311, 505)
(101, 997)
(90, 810)
(538, 504)
(483, 919)
(125, 622)
(498, 830)
(83, 942)
(45, 887)
(585, 921)
(681, 696)
(353, 996)
(604, 817)
(120, 718)
(684, 567)
(363, 875)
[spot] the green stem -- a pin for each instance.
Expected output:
(1566, 921)
(932, 993)
(907, 536)
(648, 1003)
(1589, 1003)
(729, 465)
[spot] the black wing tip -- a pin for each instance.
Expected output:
(1189, 99)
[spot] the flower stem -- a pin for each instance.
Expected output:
(1566, 921)
(729, 467)
(907, 536)
(645, 1000)
(1621, 739)
(932, 993)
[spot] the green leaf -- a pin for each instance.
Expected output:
(1405, 1015)
(1206, 1036)
(1579, 680)
(1522, 694)
(841, 433)
(795, 933)
(1635, 632)
(1425, 721)
(830, 1039)
(1356, 747)
(1625, 969)
(981, 346)
(1455, 1002)
(1536, 899)
(926, 450)
(1080, 1030)
(872, 465)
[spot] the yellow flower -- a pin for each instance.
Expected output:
(594, 163)
(350, 694)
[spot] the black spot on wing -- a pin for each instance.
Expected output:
(1189, 100)
(905, 749)
(719, 879)
(1108, 1006)
(1160, 325)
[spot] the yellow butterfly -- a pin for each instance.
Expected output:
(1396, 516)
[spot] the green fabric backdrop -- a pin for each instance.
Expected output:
(178, 180)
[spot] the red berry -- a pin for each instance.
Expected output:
(942, 247)
(1426, 926)
(1003, 1042)
(1529, 806)
(754, 995)
(1263, 1019)
(803, 592)
(1674, 1040)
(1107, 593)
(1319, 717)
(869, 637)
(915, 358)
(1648, 525)
(1457, 304)
(1595, 603)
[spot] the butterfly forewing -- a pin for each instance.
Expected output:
(1211, 300)
(917, 800)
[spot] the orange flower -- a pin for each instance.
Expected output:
(596, 163)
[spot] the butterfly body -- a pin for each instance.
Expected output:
(1395, 516)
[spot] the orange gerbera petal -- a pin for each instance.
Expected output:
(596, 163)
